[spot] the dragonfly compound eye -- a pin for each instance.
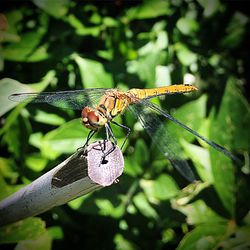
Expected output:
(87, 115)
(93, 117)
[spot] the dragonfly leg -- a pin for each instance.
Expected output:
(109, 133)
(102, 147)
(123, 127)
(90, 135)
(105, 154)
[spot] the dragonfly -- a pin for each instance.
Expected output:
(99, 107)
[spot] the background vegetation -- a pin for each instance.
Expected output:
(61, 45)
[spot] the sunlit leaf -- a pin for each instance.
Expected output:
(149, 9)
(29, 48)
(185, 55)
(235, 31)
(65, 139)
(162, 75)
(144, 206)
(210, 7)
(80, 28)
(43, 242)
(108, 209)
(187, 25)
(122, 243)
(7, 87)
(13, 18)
(199, 213)
(203, 237)
(55, 232)
(93, 73)
(36, 162)
(145, 67)
(158, 44)
(6, 170)
(17, 135)
(4, 188)
(192, 115)
(241, 239)
(10, 86)
(164, 187)
(228, 129)
(30, 228)
(48, 118)
(54, 8)
(135, 163)
(201, 159)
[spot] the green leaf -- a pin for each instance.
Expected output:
(43, 242)
(6, 170)
(133, 168)
(210, 7)
(122, 243)
(93, 73)
(135, 162)
(56, 9)
(36, 162)
(199, 213)
(6, 189)
(48, 118)
(241, 239)
(162, 75)
(55, 232)
(13, 18)
(63, 140)
(235, 31)
(158, 44)
(141, 154)
(145, 66)
(228, 128)
(192, 115)
(187, 26)
(81, 29)
(185, 55)
(201, 159)
(30, 228)
(149, 9)
(107, 208)
(7, 87)
(29, 48)
(164, 187)
(203, 237)
(142, 204)
(17, 136)
(110, 22)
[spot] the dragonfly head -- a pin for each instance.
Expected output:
(93, 119)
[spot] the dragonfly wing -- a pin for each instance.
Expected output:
(162, 138)
(211, 143)
(75, 99)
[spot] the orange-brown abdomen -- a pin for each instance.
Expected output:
(173, 89)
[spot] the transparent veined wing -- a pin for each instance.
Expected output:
(162, 137)
(74, 99)
(209, 142)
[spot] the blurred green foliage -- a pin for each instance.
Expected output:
(61, 45)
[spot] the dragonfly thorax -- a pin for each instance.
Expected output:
(93, 119)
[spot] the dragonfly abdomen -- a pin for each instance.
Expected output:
(173, 89)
